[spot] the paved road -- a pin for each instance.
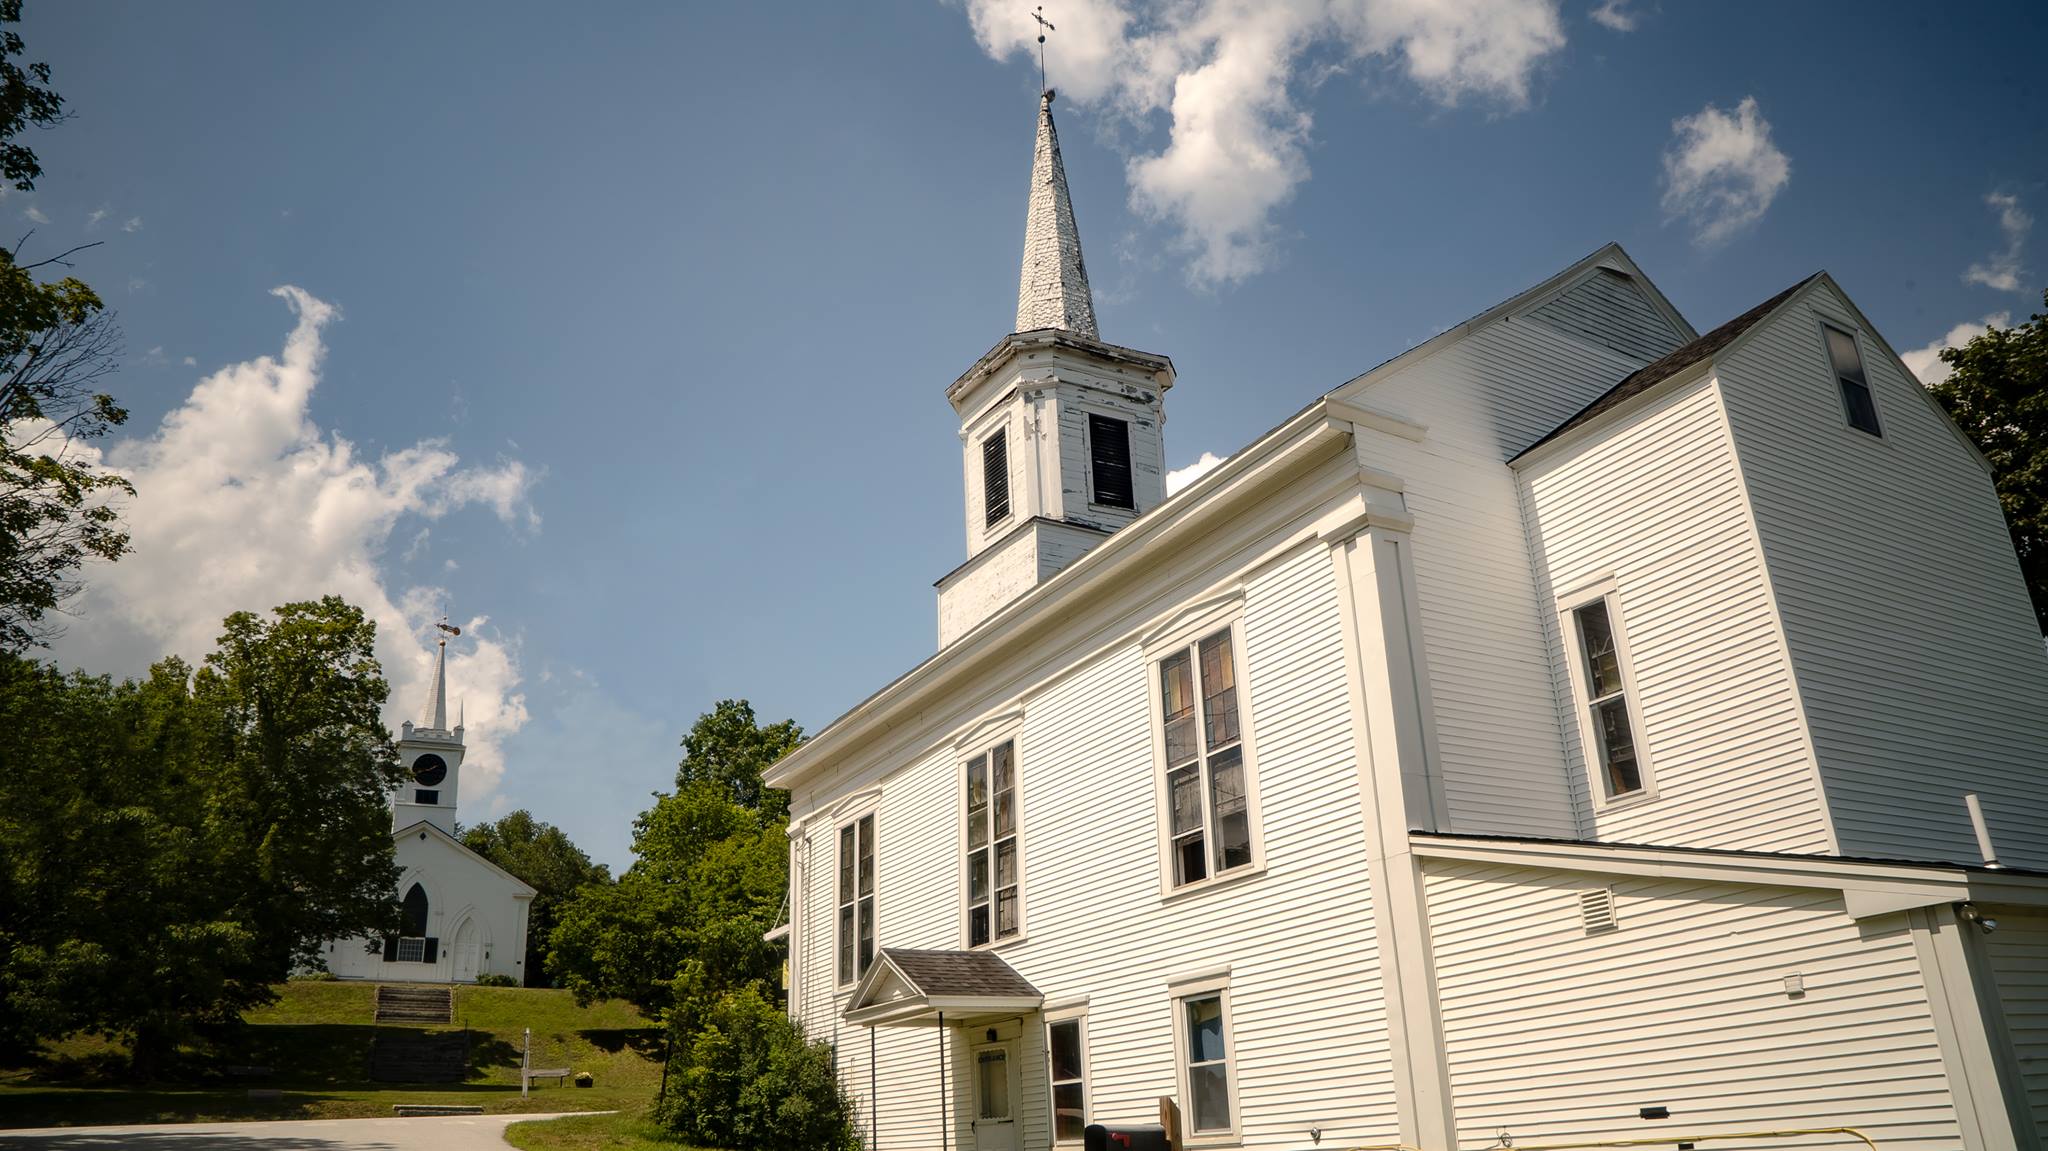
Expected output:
(442, 1133)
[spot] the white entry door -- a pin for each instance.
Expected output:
(995, 1094)
(466, 952)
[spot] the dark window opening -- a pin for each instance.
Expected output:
(1109, 446)
(995, 477)
(1857, 402)
(412, 944)
(412, 912)
(426, 797)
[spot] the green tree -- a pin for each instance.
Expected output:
(1997, 393)
(57, 341)
(729, 748)
(545, 858)
(745, 1077)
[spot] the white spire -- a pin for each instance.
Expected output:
(437, 693)
(1053, 290)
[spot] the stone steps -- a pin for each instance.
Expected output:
(414, 1004)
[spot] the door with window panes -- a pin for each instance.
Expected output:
(995, 1094)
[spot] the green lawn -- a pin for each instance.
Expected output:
(317, 1039)
(620, 1131)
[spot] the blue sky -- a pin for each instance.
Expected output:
(621, 332)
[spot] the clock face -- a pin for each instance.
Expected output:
(429, 770)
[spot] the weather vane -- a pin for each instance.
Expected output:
(1044, 26)
(448, 628)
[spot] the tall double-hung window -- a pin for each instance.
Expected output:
(1859, 404)
(995, 906)
(1609, 715)
(1209, 803)
(856, 937)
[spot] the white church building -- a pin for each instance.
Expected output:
(1576, 728)
(464, 916)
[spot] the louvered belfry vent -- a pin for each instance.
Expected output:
(1109, 446)
(995, 476)
(1596, 908)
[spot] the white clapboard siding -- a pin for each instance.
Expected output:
(1911, 636)
(1656, 503)
(1298, 941)
(1608, 307)
(2018, 959)
(1552, 1033)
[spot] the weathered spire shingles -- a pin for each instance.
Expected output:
(1053, 290)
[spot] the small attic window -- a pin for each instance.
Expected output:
(1109, 452)
(1858, 404)
(995, 477)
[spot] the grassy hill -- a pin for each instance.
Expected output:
(316, 1039)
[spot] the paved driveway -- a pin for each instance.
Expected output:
(441, 1133)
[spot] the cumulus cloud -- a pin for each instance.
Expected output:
(35, 215)
(1179, 478)
(1926, 362)
(1722, 171)
(2002, 271)
(1614, 14)
(93, 218)
(132, 224)
(1226, 75)
(244, 501)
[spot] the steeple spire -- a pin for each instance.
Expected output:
(437, 693)
(1053, 290)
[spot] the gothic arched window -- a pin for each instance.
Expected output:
(413, 912)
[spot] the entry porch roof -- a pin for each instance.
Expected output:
(909, 988)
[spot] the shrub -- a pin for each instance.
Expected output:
(496, 980)
(747, 1080)
(314, 977)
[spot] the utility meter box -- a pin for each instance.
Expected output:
(1136, 1137)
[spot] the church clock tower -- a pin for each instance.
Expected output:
(431, 755)
(1061, 434)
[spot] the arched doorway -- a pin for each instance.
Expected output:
(467, 948)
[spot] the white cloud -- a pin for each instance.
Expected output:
(35, 215)
(190, 361)
(1226, 73)
(133, 224)
(2002, 271)
(1179, 478)
(1722, 171)
(93, 218)
(244, 501)
(1926, 362)
(1614, 14)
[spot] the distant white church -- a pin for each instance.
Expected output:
(464, 916)
(1576, 728)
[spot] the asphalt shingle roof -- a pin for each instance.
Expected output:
(959, 973)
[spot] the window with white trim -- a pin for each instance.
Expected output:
(1066, 1041)
(1859, 405)
(1202, 1027)
(1208, 794)
(995, 909)
(856, 936)
(1608, 714)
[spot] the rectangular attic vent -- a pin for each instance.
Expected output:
(1109, 445)
(1596, 909)
(995, 477)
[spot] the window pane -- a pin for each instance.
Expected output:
(1205, 1029)
(846, 864)
(1006, 912)
(977, 781)
(1211, 1088)
(992, 1083)
(1189, 862)
(1003, 768)
(867, 855)
(977, 926)
(1065, 1040)
(1596, 641)
(867, 935)
(977, 877)
(977, 828)
(1219, 690)
(1861, 409)
(1006, 812)
(846, 944)
(1617, 746)
(1184, 799)
(1847, 361)
(1069, 1112)
(1177, 708)
(1228, 808)
(1006, 863)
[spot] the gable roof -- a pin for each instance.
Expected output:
(1679, 359)
(911, 988)
(425, 825)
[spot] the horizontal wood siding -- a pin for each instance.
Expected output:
(1656, 503)
(1297, 940)
(1913, 642)
(1608, 307)
(2018, 959)
(1555, 1034)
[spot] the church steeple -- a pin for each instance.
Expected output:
(436, 717)
(430, 754)
(1052, 291)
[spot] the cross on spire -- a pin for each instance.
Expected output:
(1044, 26)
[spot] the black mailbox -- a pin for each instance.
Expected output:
(1136, 1137)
